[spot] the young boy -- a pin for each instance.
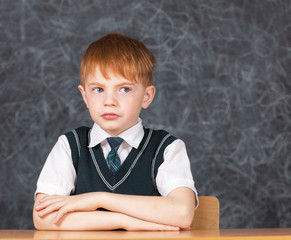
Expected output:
(118, 174)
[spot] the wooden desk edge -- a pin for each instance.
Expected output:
(229, 234)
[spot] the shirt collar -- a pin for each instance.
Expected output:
(132, 136)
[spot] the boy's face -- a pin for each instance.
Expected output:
(115, 103)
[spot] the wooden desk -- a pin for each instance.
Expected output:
(223, 234)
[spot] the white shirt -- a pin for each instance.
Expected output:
(58, 176)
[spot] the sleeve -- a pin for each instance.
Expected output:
(58, 175)
(175, 171)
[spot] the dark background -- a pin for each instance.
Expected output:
(223, 86)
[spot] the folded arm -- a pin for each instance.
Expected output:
(91, 220)
(176, 209)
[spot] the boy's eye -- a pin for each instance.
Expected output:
(125, 90)
(98, 90)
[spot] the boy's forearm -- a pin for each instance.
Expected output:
(82, 220)
(97, 220)
(92, 220)
(177, 209)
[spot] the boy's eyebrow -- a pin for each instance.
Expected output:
(125, 83)
(119, 84)
(95, 83)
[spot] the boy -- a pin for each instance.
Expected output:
(141, 176)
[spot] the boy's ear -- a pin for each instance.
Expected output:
(148, 96)
(82, 90)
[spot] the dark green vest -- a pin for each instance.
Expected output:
(137, 174)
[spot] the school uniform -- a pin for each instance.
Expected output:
(152, 163)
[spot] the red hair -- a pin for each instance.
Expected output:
(118, 54)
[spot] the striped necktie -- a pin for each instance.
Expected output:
(113, 160)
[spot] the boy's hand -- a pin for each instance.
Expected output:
(66, 204)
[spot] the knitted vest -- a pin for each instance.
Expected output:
(137, 174)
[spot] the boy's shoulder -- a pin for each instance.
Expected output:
(160, 134)
(78, 139)
(80, 131)
(77, 134)
(157, 131)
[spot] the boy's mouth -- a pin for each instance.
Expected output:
(110, 116)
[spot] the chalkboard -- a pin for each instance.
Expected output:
(223, 87)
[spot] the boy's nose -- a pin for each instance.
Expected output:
(110, 99)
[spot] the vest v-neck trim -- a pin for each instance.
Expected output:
(113, 180)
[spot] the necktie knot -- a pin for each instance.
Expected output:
(114, 142)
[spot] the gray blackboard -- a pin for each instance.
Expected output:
(223, 86)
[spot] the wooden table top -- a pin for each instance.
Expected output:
(226, 234)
